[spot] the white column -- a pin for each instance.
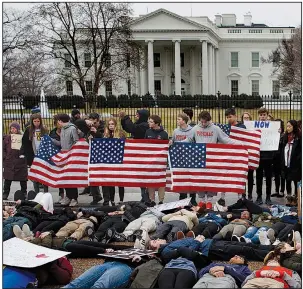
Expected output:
(177, 68)
(210, 69)
(217, 68)
(214, 71)
(151, 77)
(192, 71)
(204, 67)
(138, 86)
(167, 85)
(143, 75)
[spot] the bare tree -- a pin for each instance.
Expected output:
(93, 40)
(287, 61)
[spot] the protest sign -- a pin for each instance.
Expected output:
(128, 253)
(270, 133)
(16, 141)
(19, 253)
(173, 205)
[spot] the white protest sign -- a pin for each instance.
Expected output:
(16, 141)
(172, 205)
(19, 253)
(270, 133)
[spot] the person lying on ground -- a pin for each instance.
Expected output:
(220, 275)
(272, 275)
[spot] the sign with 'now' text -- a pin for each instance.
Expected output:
(270, 133)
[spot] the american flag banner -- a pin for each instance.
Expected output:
(128, 163)
(65, 169)
(208, 167)
(251, 139)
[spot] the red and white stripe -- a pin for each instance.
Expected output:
(226, 171)
(251, 139)
(144, 165)
(70, 171)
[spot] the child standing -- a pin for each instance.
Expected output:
(112, 131)
(31, 141)
(14, 162)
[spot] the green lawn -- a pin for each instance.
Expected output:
(168, 115)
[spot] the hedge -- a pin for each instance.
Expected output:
(29, 101)
(72, 101)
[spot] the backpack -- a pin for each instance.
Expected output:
(146, 275)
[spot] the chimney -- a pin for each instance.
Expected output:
(247, 19)
(218, 20)
(229, 20)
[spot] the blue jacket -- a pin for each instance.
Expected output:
(189, 243)
(182, 263)
(238, 272)
(212, 217)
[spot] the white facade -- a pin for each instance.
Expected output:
(218, 56)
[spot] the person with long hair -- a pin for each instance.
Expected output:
(291, 155)
(14, 162)
(31, 141)
(112, 131)
(279, 180)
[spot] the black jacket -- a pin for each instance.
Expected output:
(138, 128)
(61, 214)
(156, 134)
(27, 210)
(27, 147)
(81, 125)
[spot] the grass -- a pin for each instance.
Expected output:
(168, 115)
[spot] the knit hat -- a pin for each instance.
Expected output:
(35, 109)
(15, 125)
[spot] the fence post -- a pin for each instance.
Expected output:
(219, 93)
(21, 111)
(290, 94)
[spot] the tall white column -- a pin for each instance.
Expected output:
(151, 77)
(177, 68)
(167, 86)
(217, 69)
(192, 71)
(138, 86)
(204, 67)
(143, 75)
(214, 71)
(210, 69)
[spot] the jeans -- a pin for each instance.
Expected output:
(252, 233)
(9, 223)
(107, 275)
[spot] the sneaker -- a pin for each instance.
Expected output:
(90, 233)
(73, 203)
(65, 201)
(218, 207)
(18, 232)
(263, 238)
(235, 238)
(190, 234)
(180, 235)
(271, 235)
(259, 201)
(152, 204)
(118, 237)
(242, 239)
(221, 202)
(27, 231)
(277, 242)
(209, 205)
(160, 203)
(96, 201)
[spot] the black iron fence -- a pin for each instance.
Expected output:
(167, 107)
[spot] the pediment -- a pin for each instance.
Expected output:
(234, 74)
(255, 74)
(162, 19)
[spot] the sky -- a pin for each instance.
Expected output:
(270, 13)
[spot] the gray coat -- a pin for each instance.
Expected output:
(69, 136)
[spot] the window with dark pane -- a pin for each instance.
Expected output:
(87, 60)
(68, 60)
(182, 59)
(89, 86)
(234, 87)
(157, 62)
(69, 87)
(108, 88)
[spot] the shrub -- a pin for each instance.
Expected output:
(135, 101)
(175, 100)
(253, 102)
(53, 101)
(123, 101)
(225, 101)
(206, 101)
(101, 101)
(72, 101)
(148, 100)
(187, 101)
(163, 100)
(112, 101)
(29, 101)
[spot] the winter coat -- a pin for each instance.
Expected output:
(292, 261)
(212, 217)
(294, 172)
(55, 138)
(156, 134)
(61, 214)
(189, 218)
(181, 134)
(133, 210)
(81, 125)
(69, 136)
(14, 167)
(139, 128)
(27, 210)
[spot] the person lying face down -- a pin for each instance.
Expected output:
(222, 275)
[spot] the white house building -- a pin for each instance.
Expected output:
(193, 55)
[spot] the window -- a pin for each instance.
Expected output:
(89, 86)
(157, 60)
(276, 30)
(129, 88)
(255, 87)
(255, 59)
(68, 60)
(87, 60)
(182, 59)
(108, 88)
(183, 92)
(234, 56)
(157, 87)
(127, 60)
(69, 87)
(255, 31)
(275, 88)
(234, 30)
(234, 87)
(108, 61)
